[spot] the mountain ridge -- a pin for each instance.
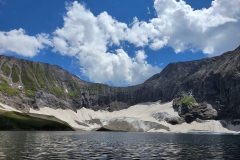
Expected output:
(215, 80)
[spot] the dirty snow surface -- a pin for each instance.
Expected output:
(140, 117)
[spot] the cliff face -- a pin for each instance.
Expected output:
(214, 80)
(25, 84)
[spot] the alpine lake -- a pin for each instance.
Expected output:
(116, 145)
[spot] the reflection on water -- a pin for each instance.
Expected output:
(110, 145)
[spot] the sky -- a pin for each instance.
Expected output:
(117, 42)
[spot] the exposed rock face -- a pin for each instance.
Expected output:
(163, 116)
(215, 80)
(188, 109)
(124, 126)
(121, 126)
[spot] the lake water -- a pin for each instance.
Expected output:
(117, 145)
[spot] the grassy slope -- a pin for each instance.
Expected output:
(4, 87)
(20, 121)
(38, 76)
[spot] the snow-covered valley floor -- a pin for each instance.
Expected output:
(140, 117)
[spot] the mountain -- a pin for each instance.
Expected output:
(216, 81)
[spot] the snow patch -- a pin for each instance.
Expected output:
(66, 90)
(139, 116)
(20, 87)
(8, 108)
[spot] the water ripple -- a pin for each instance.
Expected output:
(109, 145)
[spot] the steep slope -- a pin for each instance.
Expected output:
(215, 80)
(25, 84)
(11, 120)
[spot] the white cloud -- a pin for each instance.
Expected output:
(157, 44)
(117, 68)
(213, 30)
(114, 31)
(88, 38)
(19, 42)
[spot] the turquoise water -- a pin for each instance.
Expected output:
(117, 145)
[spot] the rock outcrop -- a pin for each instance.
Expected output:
(124, 126)
(189, 110)
(163, 116)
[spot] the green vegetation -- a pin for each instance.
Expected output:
(73, 87)
(58, 91)
(74, 90)
(40, 76)
(29, 81)
(184, 99)
(188, 100)
(4, 87)
(49, 76)
(73, 94)
(6, 70)
(32, 65)
(29, 93)
(15, 74)
(19, 121)
(52, 88)
(2, 80)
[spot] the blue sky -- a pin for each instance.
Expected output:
(117, 42)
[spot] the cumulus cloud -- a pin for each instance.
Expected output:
(19, 42)
(213, 30)
(157, 44)
(88, 37)
(177, 25)
(117, 68)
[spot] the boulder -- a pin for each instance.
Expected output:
(163, 116)
(190, 110)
